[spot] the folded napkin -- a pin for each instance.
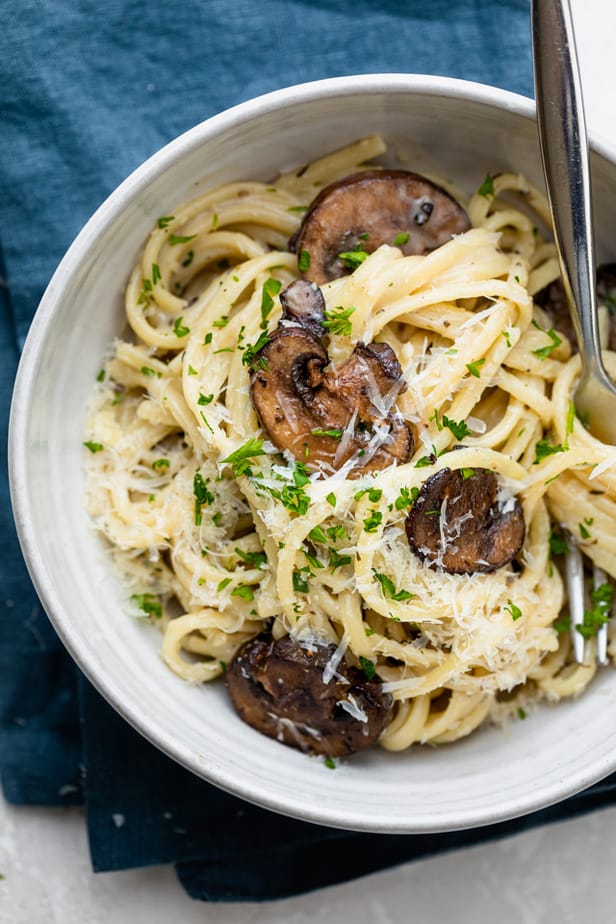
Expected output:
(90, 91)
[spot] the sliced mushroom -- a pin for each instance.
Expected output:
(554, 302)
(284, 691)
(324, 415)
(371, 208)
(461, 523)
(303, 303)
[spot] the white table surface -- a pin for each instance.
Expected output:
(562, 873)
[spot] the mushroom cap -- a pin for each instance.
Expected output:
(321, 414)
(460, 524)
(374, 207)
(278, 687)
(325, 416)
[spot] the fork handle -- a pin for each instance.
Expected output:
(564, 151)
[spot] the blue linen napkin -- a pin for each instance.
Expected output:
(88, 92)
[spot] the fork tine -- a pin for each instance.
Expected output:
(599, 577)
(575, 590)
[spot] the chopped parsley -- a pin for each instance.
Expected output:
(337, 561)
(330, 763)
(214, 224)
(188, 258)
(254, 559)
(222, 584)
(179, 329)
(367, 667)
(475, 366)
(208, 338)
(401, 239)
(335, 434)
(558, 544)
(521, 713)
(458, 428)
(92, 446)
(337, 321)
(487, 187)
(271, 287)
(165, 220)
(515, 611)
(584, 533)
(303, 261)
(569, 423)
(373, 521)
(300, 584)
(205, 399)
(353, 258)
(331, 499)
(543, 352)
(317, 535)
(389, 588)
(155, 273)
(298, 208)
(222, 321)
(601, 598)
(314, 561)
(191, 371)
(243, 591)
(543, 449)
(180, 238)
(147, 370)
(203, 496)
(505, 334)
(101, 376)
(562, 625)
(251, 357)
(159, 464)
(374, 494)
(148, 604)
(406, 498)
(239, 460)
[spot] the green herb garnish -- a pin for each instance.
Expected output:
(202, 494)
(180, 330)
(271, 287)
(487, 187)
(475, 366)
(337, 321)
(353, 258)
(367, 667)
(239, 460)
(180, 238)
(148, 604)
(515, 611)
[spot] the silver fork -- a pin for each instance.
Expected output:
(564, 151)
(574, 571)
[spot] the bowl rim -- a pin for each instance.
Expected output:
(23, 397)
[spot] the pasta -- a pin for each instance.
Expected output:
(218, 535)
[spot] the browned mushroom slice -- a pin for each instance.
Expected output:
(289, 691)
(461, 525)
(303, 303)
(365, 210)
(326, 416)
(554, 302)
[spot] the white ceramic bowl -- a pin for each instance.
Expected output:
(456, 129)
